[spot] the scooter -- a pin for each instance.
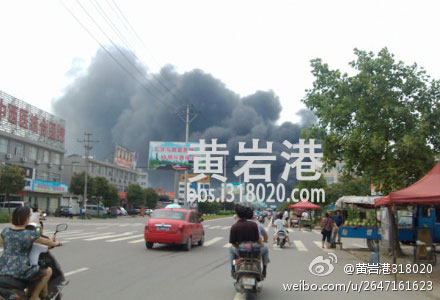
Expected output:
(281, 238)
(14, 289)
(248, 270)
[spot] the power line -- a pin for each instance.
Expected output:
(112, 57)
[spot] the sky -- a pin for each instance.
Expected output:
(248, 45)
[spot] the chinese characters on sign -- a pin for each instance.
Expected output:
(125, 158)
(24, 120)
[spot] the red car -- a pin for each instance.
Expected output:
(174, 226)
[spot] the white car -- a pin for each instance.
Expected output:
(123, 212)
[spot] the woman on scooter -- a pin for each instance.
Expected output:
(15, 260)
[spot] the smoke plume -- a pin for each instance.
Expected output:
(109, 103)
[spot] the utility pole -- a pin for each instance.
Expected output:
(187, 116)
(87, 149)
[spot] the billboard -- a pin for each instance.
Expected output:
(49, 187)
(205, 180)
(27, 121)
(171, 155)
(125, 157)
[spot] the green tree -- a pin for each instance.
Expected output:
(11, 181)
(347, 187)
(309, 185)
(151, 197)
(209, 207)
(101, 188)
(76, 186)
(135, 196)
(111, 198)
(383, 121)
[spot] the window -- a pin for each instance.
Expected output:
(46, 156)
(4, 143)
(32, 152)
(42, 175)
(56, 159)
(75, 167)
(56, 177)
(19, 149)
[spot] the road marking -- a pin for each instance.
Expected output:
(108, 236)
(124, 225)
(137, 241)
(239, 296)
(215, 227)
(227, 245)
(300, 245)
(75, 233)
(70, 231)
(226, 227)
(80, 234)
(126, 238)
(76, 271)
(206, 226)
(319, 244)
(212, 241)
(88, 236)
(357, 245)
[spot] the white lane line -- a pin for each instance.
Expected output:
(79, 234)
(108, 236)
(227, 245)
(70, 232)
(206, 226)
(137, 241)
(215, 227)
(124, 225)
(212, 241)
(76, 271)
(317, 232)
(226, 227)
(75, 233)
(300, 245)
(88, 236)
(357, 245)
(239, 296)
(126, 238)
(319, 245)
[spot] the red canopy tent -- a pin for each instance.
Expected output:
(304, 205)
(426, 191)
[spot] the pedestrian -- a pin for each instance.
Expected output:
(286, 218)
(80, 213)
(338, 222)
(327, 225)
(70, 212)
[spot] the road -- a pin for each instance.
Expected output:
(107, 259)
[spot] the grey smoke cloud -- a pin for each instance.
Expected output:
(117, 110)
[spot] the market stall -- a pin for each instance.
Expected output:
(359, 218)
(306, 206)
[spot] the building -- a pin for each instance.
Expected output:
(142, 179)
(33, 140)
(333, 175)
(117, 175)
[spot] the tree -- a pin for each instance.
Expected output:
(135, 196)
(101, 188)
(346, 187)
(383, 121)
(11, 181)
(76, 186)
(151, 197)
(308, 185)
(111, 198)
(209, 207)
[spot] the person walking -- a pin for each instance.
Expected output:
(338, 222)
(327, 225)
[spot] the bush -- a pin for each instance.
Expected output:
(225, 212)
(4, 218)
(88, 217)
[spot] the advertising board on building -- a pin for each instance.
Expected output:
(27, 121)
(125, 157)
(49, 187)
(171, 155)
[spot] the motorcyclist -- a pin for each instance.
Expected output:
(279, 224)
(15, 261)
(242, 231)
(263, 236)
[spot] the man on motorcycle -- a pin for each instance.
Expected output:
(263, 236)
(279, 224)
(15, 261)
(242, 231)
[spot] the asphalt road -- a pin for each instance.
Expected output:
(107, 259)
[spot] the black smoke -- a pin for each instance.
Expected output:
(109, 103)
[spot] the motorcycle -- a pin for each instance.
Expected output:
(248, 270)
(15, 289)
(281, 238)
(261, 219)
